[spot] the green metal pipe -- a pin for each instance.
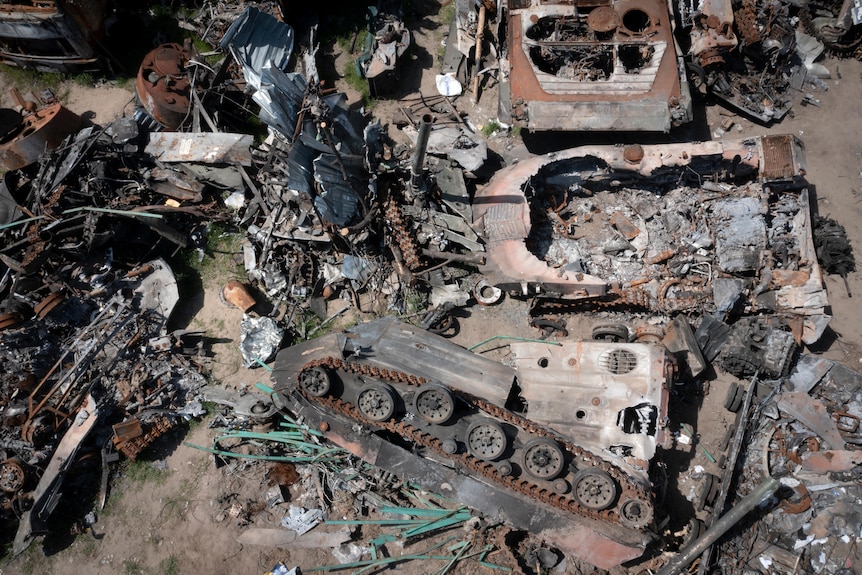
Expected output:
(19, 222)
(280, 458)
(117, 212)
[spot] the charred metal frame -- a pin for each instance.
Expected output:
(389, 346)
(595, 66)
(775, 163)
(52, 36)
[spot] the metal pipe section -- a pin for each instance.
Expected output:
(766, 488)
(421, 146)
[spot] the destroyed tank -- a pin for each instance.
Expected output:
(558, 446)
(721, 227)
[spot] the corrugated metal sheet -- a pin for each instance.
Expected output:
(280, 99)
(257, 39)
(338, 202)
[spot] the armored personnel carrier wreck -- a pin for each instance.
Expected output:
(558, 446)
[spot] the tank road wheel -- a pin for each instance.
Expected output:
(434, 403)
(635, 513)
(486, 440)
(594, 488)
(376, 401)
(543, 459)
(315, 380)
(613, 332)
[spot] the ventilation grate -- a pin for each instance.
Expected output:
(618, 361)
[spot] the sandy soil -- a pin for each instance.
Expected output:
(182, 520)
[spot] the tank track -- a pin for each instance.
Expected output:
(630, 299)
(849, 48)
(746, 22)
(406, 242)
(632, 506)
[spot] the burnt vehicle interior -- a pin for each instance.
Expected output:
(588, 65)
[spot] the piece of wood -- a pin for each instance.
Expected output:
(477, 54)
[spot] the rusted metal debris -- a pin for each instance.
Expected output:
(37, 131)
(608, 66)
(558, 227)
(163, 87)
(54, 35)
(89, 304)
(623, 66)
(699, 257)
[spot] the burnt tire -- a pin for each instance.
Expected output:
(613, 332)
(735, 396)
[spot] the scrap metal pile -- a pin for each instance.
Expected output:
(704, 257)
(626, 66)
(86, 299)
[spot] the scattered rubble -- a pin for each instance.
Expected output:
(698, 261)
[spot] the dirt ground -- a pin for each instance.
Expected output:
(179, 518)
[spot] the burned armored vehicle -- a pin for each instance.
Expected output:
(559, 446)
(55, 36)
(718, 227)
(581, 66)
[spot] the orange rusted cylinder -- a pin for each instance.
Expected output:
(236, 294)
(43, 129)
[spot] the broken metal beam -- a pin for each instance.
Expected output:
(766, 488)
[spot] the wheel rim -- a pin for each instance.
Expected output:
(486, 440)
(376, 402)
(435, 404)
(315, 381)
(594, 489)
(611, 332)
(635, 513)
(11, 476)
(543, 459)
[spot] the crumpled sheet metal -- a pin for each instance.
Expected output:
(831, 460)
(257, 39)
(816, 526)
(470, 152)
(812, 413)
(280, 97)
(158, 290)
(51, 481)
(260, 338)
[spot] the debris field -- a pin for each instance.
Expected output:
(623, 287)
